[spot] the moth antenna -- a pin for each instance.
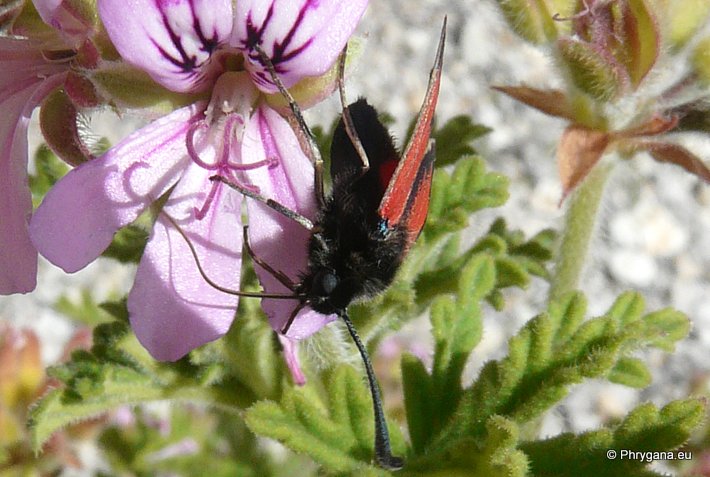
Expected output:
(304, 221)
(347, 118)
(383, 450)
(280, 276)
(313, 151)
(211, 282)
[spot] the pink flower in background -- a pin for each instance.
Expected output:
(202, 46)
(27, 77)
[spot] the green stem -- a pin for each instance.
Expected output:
(578, 231)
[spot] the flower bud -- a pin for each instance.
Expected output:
(592, 70)
(684, 18)
(535, 20)
(701, 60)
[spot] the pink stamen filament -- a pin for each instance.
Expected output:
(192, 152)
(223, 165)
(202, 211)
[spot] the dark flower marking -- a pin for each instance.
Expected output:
(187, 63)
(279, 51)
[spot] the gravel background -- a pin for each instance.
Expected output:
(653, 226)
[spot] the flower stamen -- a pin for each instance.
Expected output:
(202, 211)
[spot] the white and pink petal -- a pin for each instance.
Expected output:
(172, 40)
(275, 239)
(81, 213)
(172, 308)
(68, 17)
(301, 37)
(18, 257)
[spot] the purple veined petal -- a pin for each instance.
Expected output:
(62, 16)
(18, 257)
(302, 37)
(79, 216)
(290, 351)
(171, 307)
(275, 239)
(172, 40)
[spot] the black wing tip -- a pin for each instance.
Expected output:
(440, 49)
(430, 154)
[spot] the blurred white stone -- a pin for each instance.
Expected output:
(633, 268)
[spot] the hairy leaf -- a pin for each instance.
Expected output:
(336, 432)
(646, 429)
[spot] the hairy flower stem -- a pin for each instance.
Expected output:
(578, 232)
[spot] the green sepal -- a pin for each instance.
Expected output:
(59, 122)
(641, 43)
(29, 24)
(130, 87)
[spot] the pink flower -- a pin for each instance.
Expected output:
(197, 46)
(27, 76)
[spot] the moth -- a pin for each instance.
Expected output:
(366, 225)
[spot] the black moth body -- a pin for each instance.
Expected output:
(364, 229)
(353, 252)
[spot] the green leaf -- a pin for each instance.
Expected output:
(645, 429)
(456, 326)
(496, 456)
(85, 310)
(417, 388)
(456, 195)
(118, 371)
(337, 433)
(453, 139)
(630, 372)
(515, 261)
(555, 350)
(49, 170)
(128, 244)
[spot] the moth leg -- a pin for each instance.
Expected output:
(281, 209)
(277, 274)
(292, 317)
(347, 119)
(313, 151)
(211, 282)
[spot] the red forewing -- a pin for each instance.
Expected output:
(406, 199)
